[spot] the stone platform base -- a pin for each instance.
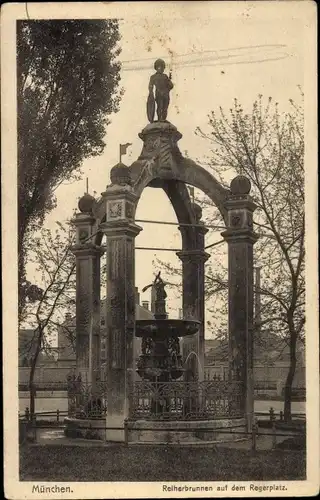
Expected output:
(87, 428)
(192, 432)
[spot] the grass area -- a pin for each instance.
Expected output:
(157, 463)
(293, 443)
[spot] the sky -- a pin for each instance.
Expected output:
(213, 60)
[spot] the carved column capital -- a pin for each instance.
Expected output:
(120, 228)
(240, 201)
(240, 208)
(85, 228)
(120, 203)
(240, 236)
(81, 219)
(87, 250)
(117, 191)
(195, 256)
(199, 227)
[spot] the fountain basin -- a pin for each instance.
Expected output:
(164, 328)
(195, 432)
(156, 367)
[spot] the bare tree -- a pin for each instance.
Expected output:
(55, 272)
(55, 269)
(267, 146)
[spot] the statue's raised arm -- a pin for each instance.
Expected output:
(159, 285)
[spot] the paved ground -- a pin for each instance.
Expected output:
(57, 437)
(264, 441)
(262, 406)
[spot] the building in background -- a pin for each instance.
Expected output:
(66, 334)
(271, 363)
(27, 344)
(54, 368)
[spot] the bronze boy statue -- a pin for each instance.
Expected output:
(163, 85)
(159, 286)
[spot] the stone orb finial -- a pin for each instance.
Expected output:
(197, 210)
(85, 203)
(120, 174)
(240, 185)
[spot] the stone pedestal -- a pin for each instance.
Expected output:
(241, 238)
(87, 300)
(120, 314)
(159, 157)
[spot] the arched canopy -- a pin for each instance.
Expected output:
(161, 164)
(178, 195)
(188, 172)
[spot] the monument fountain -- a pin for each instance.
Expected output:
(171, 402)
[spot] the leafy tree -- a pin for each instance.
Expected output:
(267, 146)
(67, 86)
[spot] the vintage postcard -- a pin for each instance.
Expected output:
(160, 258)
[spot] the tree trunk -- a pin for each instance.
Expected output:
(34, 359)
(21, 264)
(32, 400)
(290, 376)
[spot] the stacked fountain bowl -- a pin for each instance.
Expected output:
(161, 360)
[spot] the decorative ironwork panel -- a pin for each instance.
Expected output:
(86, 400)
(179, 400)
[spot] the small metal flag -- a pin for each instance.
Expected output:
(123, 149)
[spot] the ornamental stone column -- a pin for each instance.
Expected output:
(193, 259)
(87, 256)
(120, 231)
(241, 238)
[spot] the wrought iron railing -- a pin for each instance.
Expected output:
(86, 400)
(181, 400)
(175, 400)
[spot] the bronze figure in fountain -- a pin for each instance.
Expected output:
(161, 295)
(161, 359)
